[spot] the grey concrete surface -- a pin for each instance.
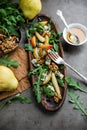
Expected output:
(28, 116)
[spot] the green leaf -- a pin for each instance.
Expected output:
(61, 82)
(54, 40)
(13, 19)
(3, 13)
(74, 85)
(61, 67)
(71, 101)
(77, 103)
(19, 18)
(10, 17)
(8, 62)
(27, 34)
(12, 30)
(18, 97)
(28, 47)
(37, 85)
(37, 91)
(48, 92)
(4, 2)
(56, 47)
(4, 29)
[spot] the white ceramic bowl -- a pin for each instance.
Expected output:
(75, 25)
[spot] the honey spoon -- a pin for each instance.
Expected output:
(71, 37)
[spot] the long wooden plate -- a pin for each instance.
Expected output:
(48, 105)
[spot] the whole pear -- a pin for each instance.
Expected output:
(30, 8)
(8, 81)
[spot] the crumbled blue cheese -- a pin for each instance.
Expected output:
(34, 62)
(51, 88)
(59, 74)
(47, 61)
(46, 27)
(43, 76)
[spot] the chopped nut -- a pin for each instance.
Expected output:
(42, 53)
(40, 61)
(53, 66)
(7, 46)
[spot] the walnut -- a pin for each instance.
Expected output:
(53, 67)
(40, 61)
(9, 45)
(42, 53)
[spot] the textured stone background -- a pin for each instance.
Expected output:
(30, 117)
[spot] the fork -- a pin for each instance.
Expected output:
(57, 59)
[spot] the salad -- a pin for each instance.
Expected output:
(47, 77)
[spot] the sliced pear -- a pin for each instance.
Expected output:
(44, 23)
(56, 86)
(40, 38)
(48, 78)
(35, 53)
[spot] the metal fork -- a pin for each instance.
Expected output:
(57, 59)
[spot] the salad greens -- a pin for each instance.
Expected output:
(34, 26)
(54, 40)
(28, 47)
(60, 82)
(48, 92)
(18, 97)
(8, 62)
(37, 89)
(10, 17)
(74, 97)
(78, 104)
(74, 85)
(37, 84)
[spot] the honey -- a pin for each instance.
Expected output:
(79, 33)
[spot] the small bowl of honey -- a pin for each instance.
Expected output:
(78, 30)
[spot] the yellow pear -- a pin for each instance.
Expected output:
(30, 8)
(8, 81)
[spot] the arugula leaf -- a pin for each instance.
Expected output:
(4, 2)
(61, 67)
(37, 85)
(61, 82)
(18, 97)
(48, 92)
(13, 30)
(8, 62)
(28, 47)
(33, 27)
(27, 34)
(11, 17)
(36, 26)
(33, 71)
(54, 40)
(78, 104)
(74, 85)
(37, 89)
(56, 47)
